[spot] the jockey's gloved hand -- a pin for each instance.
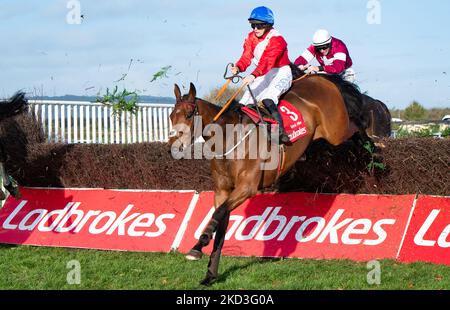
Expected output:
(303, 67)
(234, 70)
(248, 79)
(312, 70)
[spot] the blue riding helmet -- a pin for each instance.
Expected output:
(263, 14)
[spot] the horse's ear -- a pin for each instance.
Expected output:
(177, 92)
(192, 93)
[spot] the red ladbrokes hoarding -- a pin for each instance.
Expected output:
(362, 227)
(98, 219)
(428, 236)
(309, 226)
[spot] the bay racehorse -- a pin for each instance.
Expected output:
(326, 115)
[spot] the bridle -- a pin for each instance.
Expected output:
(190, 117)
(194, 111)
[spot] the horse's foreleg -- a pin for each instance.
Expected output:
(213, 265)
(220, 222)
(219, 214)
(220, 197)
(196, 252)
(4, 180)
(238, 196)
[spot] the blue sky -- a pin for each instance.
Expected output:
(404, 58)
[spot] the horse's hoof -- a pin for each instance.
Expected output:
(194, 255)
(13, 189)
(208, 281)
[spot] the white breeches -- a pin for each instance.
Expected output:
(269, 86)
(349, 75)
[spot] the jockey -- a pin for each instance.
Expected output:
(267, 49)
(332, 55)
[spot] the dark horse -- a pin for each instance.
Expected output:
(16, 105)
(377, 117)
(327, 116)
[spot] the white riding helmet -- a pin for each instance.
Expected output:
(321, 37)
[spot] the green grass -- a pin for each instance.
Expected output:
(26, 267)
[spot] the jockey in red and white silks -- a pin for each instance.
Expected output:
(267, 49)
(273, 76)
(332, 55)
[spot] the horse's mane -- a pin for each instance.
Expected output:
(14, 106)
(296, 72)
(352, 97)
(350, 92)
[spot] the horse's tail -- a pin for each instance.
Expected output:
(17, 104)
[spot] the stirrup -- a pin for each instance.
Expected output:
(284, 138)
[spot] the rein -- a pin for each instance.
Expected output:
(301, 78)
(281, 151)
(281, 148)
(222, 90)
(232, 78)
(229, 102)
(235, 146)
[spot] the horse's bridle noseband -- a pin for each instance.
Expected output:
(194, 111)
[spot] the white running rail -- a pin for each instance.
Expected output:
(88, 122)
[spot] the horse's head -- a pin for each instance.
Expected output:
(182, 118)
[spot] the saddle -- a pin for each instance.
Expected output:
(294, 125)
(251, 111)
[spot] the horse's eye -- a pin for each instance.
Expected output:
(172, 133)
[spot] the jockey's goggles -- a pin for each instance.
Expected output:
(323, 47)
(259, 26)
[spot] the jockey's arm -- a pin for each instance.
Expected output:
(305, 58)
(244, 62)
(272, 54)
(337, 67)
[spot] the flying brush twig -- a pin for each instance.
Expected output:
(161, 73)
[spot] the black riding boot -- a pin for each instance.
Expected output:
(273, 109)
